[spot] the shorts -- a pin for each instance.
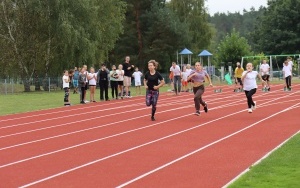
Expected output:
(137, 83)
(265, 77)
(127, 81)
(184, 83)
(75, 83)
(86, 86)
(120, 83)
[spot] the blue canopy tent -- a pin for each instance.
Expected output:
(207, 54)
(188, 53)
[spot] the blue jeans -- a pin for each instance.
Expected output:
(177, 80)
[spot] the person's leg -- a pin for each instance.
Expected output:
(175, 85)
(287, 82)
(179, 83)
(155, 95)
(106, 90)
(198, 92)
(148, 98)
(101, 90)
(249, 95)
(82, 94)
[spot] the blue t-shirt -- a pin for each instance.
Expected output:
(76, 75)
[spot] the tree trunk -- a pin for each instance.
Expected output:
(26, 83)
(138, 29)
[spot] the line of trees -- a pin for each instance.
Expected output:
(44, 37)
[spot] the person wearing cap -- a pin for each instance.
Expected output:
(103, 78)
(238, 75)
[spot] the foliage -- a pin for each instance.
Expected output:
(232, 48)
(277, 31)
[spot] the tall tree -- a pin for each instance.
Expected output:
(277, 30)
(193, 13)
(232, 48)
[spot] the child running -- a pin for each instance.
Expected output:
(152, 82)
(250, 86)
(198, 77)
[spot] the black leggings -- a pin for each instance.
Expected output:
(114, 88)
(249, 97)
(198, 92)
(288, 81)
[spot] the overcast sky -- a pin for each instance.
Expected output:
(232, 6)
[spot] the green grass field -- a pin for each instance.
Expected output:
(281, 169)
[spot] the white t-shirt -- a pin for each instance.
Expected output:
(185, 75)
(250, 80)
(92, 82)
(176, 71)
(65, 84)
(287, 71)
(120, 74)
(264, 68)
(188, 71)
(137, 78)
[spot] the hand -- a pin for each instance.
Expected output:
(155, 87)
(211, 85)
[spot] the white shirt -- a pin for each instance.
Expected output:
(137, 76)
(250, 80)
(65, 84)
(287, 71)
(120, 74)
(188, 71)
(290, 64)
(176, 71)
(93, 80)
(264, 68)
(185, 75)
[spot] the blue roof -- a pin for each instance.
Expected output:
(205, 53)
(185, 52)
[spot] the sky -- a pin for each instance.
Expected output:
(232, 6)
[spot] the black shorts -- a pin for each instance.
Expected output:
(120, 83)
(265, 77)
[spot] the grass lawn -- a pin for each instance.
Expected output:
(32, 101)
(280, 169)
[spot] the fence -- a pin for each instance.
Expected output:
(12, 86)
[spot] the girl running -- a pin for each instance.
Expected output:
(250, 86)
(152, 82)
(198, 77)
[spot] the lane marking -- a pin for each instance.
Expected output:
(154, 141)
(200, 149)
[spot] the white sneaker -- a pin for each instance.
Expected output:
(254, 107)
(250, 110)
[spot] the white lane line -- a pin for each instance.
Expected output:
(75, 114)
(83, 130)
(104, 138)
(259, 161)
(99, 117)
(202, 148)
(148, 143)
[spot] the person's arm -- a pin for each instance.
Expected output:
(259, 76)
(209, 80)
(244, 75)
(145, 83)
(162, 82)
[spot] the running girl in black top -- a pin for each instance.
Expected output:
(152, 82)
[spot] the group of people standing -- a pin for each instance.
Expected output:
(119, 80)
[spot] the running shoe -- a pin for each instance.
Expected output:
(250, 110)
(197, 113)
(152, 118)
(205, 108)
(254, 107)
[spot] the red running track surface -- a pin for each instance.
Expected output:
(114, 143)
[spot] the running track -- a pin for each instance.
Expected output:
(114, 143)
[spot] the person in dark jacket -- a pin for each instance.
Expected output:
(103, 79)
